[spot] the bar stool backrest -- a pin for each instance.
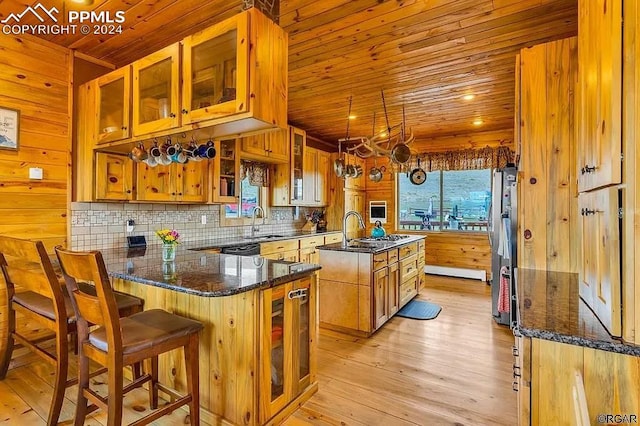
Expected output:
(98, 310)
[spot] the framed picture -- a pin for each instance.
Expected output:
(9, 128)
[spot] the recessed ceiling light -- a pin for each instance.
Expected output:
(352, 117)
(469, 97)
(477, 122)
(83, 2)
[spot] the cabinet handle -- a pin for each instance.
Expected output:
(587, 169)
(587, 212)
(514, 351)
(514, 386)
(297, 294)
(379, 260)
(184, 111)
(124, 127)
(172, 115)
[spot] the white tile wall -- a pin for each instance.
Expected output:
(103, 225)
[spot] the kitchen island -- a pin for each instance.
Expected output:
(365, 282)
(257, 349)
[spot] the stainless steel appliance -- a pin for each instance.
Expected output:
(502, 229)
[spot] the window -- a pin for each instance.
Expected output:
(456, 200)
(250, 198)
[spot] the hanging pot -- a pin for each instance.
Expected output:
(400, 153)
(418, 176)
(338, 164)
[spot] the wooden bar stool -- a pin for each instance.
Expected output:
(124, 341)
(34, 290)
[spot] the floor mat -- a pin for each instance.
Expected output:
(420, 309)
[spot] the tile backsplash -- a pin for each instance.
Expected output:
(103, 225)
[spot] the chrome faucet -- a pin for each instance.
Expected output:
(344, 225)
(253, 221)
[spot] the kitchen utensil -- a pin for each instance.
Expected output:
(400, 153)
(138, 153)
(418, 175)
(378, 231)
(206, 150)
(155, 151)
(358, 170)
(338, 164)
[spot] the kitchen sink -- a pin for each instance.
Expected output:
(264, 237)
(366, 243)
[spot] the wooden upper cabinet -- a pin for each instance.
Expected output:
(114, 177)
(113, 101)
(156, 102)
(599, 105)
(173, 183)
(599, 272)
(298, 138)
(269, 147)
(216, 71)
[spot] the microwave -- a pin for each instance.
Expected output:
(377, 211)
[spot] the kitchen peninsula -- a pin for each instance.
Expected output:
(365, 282)
(257, 357)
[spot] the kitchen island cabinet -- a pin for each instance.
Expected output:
(364, 284)
(259, 317)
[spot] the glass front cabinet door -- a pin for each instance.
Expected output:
(215, 72)
(112, 103)
(298, 141)
(156, 91)
(287, 335)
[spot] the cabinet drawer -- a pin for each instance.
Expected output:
(408, 268)
(288, 256)
(408, 250)
(278, 246)
(333, 238)
(379, 260)
(310, 242)
(392, 256)
(408, 290)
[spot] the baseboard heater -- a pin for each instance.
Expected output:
(475, 274)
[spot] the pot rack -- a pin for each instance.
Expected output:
(382, 144)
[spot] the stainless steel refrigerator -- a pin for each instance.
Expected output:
(502, 230)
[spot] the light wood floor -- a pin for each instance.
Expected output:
(454, 370)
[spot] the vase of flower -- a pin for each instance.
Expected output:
(168, 252)
(169, 239)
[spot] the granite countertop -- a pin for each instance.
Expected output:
(231, 242)
(550, 308)
(202, 274)
(375, 246)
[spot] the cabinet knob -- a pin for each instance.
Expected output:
(172, 115)
(184, 111)
(128, 191)
(179, 193)
(173, 193)
(514, 351)
(124, 127)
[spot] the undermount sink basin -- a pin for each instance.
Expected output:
(264, 237)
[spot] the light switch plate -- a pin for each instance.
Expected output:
(35, 173)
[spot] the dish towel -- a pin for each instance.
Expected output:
(504, 240)
(503, 294)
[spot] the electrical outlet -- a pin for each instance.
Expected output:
(203, 219)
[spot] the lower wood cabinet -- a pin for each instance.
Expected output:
(548, 377)
(287, 344)
(114, 177)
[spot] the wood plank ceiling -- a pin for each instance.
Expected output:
(425, 54)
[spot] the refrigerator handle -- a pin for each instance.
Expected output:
(489, 216)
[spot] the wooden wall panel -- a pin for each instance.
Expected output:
(547, 193)
(35, 79)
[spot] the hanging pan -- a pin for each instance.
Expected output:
(418, 176)
(400, 153)
(338, 164)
